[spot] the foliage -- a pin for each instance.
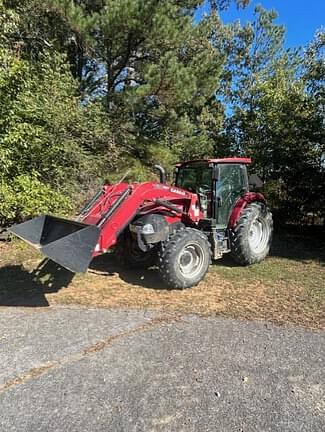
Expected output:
(94, 90)
(36, 130)
(46, 131)
(37, 135)
(26, 197)
(154, 67)
(276, 116)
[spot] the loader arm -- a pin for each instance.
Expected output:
(73, 243)
(119, 204)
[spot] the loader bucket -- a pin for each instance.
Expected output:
(68, 243)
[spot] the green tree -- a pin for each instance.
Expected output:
(274, 114)
(48, 139)
(155, 69)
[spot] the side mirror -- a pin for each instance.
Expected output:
(255, 182)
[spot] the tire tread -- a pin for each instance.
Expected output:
(170, 247)
(239, 247)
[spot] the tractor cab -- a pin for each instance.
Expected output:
(219, 183)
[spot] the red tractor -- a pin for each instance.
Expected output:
(208, 212)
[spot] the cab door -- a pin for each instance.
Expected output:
(231, 184)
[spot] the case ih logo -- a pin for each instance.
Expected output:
(178, 191)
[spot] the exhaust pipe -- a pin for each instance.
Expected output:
(70, 244)
(162, 173)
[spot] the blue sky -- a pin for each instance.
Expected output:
(301, 17)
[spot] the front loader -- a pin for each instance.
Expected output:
(208, 212)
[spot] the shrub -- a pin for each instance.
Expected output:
(26, 197)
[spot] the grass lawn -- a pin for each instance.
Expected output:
(288, 287)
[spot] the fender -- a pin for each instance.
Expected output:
(241, 203)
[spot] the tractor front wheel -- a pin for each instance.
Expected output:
(184, 258)
(251, 237)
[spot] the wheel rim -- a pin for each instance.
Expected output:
(191, 260)
(258, 236)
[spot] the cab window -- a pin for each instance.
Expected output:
(195, 177)
(230, 186)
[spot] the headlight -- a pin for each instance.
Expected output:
(147, 229)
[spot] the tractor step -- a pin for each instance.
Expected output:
(220, 244)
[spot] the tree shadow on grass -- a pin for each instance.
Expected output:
(18, 287)
(293, 243)
(299, 243)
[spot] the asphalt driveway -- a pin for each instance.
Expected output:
(77, 369)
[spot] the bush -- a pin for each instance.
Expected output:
(27, 197)
(51, 145)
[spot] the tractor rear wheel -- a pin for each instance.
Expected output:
(251, 237)
(184, 258)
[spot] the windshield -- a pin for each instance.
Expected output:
(195, 177)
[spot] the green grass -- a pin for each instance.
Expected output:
(289, 286)
(308, 275)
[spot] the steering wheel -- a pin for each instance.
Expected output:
(204, 189)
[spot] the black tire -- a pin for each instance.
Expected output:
(184, 258)
(128, 252)
(252, 236)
